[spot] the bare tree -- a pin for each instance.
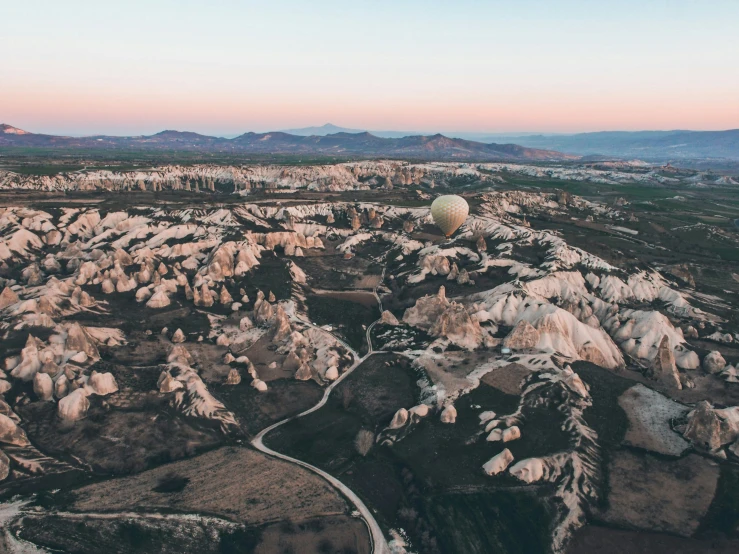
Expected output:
(364, 441)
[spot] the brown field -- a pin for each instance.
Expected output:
(507, 379)
(236, 483)
(330, 534)
(603, 540)
(366, 299)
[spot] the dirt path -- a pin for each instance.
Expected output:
(378, 543)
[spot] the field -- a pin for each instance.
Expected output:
(246, 502)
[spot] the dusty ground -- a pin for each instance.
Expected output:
(649, 416)
(141, 434)
(256, 410)
(329, 534)
(174, 534)
(262, 354)
(593, 538)
(450, 369)
(659, 495)
(209, 358)
(507, 379)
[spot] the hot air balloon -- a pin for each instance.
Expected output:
(449, 212)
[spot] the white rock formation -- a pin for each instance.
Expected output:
(102, 383)
(11, 433)
(399, 419)
(160, 299)
(387, 318)
(43, 386)
(498, 463)
(449, 414)
(529, 470)
(505, 435)
(714, 362)
(74, 406)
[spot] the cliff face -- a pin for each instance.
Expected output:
(331, 177)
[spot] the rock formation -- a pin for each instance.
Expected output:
(714, 362)
(449, 414)
(523, 336)
(663, 366)
(498, 463)
(74, 406)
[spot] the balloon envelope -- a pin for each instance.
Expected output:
(449, 212)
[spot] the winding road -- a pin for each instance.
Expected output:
(377, 539)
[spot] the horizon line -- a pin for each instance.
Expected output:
(231, 135)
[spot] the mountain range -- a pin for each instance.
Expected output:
(645, 145)
(335, 141)
(340, 144)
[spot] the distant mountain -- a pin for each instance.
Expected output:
(10, 130)
(645, 145)
(322, 131)
(330, 129)
(341, 144)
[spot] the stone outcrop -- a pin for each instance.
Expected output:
(245, 324)
(498, 463)
(159, 299)
(179, 354)
(103, 383)
(714, 362)
(399, 419)
(11, 433)
(709, 428)
(168, 384)
(522, 336)
(682, 272)
(456, 325)
(78, 340)
(281, 327)
(8, 297)
(234, 377)
(663, 366)
(304, 372)
(427, 311)
(225, 297)
(43, 386)
(263, 310)
(74, 406)
(387, 318)
(449, 414)
(530, 470)
(504, 435)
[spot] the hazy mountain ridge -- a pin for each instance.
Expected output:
(647, 145)
(361, 144)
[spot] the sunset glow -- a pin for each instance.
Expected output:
(83, 67)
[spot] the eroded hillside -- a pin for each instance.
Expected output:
(497, 391)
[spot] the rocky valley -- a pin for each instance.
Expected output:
(293, 358)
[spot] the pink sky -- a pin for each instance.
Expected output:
(117, 111)
(83, 67)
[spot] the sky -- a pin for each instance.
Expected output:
(225, 67)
